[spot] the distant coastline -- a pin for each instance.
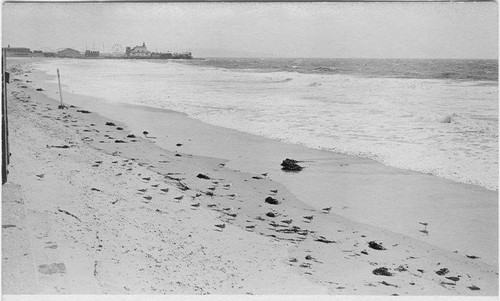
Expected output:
(137, 52)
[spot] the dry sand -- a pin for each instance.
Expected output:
(89, 210)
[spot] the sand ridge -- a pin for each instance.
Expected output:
(124, 216)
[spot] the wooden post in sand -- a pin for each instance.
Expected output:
(5, 122)
(61, 106)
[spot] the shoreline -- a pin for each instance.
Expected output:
(244, 195)
(390, 198)
(435, 169)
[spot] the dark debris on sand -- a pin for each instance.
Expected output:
(290, 165)
(442, 272)
(382, 272)
(203, 176)
(376, 246)
(272, 201)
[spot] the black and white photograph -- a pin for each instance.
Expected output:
(314, 149)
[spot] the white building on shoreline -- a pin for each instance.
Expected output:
(138, 51)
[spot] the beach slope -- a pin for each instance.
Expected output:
(105, 210)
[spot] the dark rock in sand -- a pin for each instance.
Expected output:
(453, 278)
(442, 272)
(119, 128)
(178, 144)
(39, 89)
(472, 256)
(83, 111)
(202, 176)
(178, 155)
(372, 244)
(110, 124)
(131, 136)
(24, 86)
(388, 284)
(272, 201)
(473, 288)
(382, 272)
(58, 146)
(120, 141)
(270, 214)
(324, 240)
(145, 132)
(290, 165)
(209, 193)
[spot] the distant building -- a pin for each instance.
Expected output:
(68, 52)
(17, 51)
(91, 53)
(184, 55)
(161, 55)
(138, 51)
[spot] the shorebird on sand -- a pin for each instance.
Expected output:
(221, 226)
(179, 197)
(454, 279)
(424, 231)
(328, 209)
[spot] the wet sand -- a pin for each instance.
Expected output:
(135, 215)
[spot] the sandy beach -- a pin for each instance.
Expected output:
(108, 198)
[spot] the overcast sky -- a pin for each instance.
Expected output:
(368, 30)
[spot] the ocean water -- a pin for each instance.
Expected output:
(434, 116)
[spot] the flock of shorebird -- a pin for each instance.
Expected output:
(425, 229)
(288, 221)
